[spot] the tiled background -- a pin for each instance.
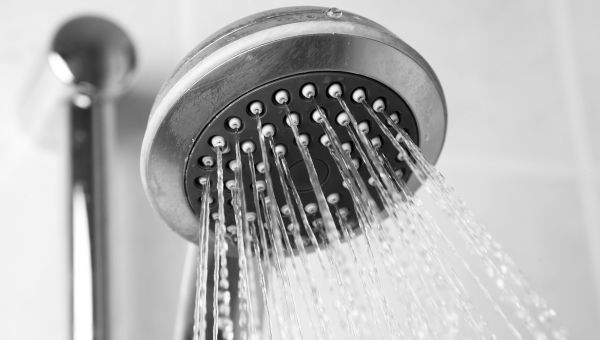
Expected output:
(522, 148)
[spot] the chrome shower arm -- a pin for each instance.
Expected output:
(93, 60)
(88, 224)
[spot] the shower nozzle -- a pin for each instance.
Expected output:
(302, 75)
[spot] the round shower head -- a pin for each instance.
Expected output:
(263, 65)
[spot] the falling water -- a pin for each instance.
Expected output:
(201, 278)
(317, 303)
(499, 266)
(276, 226)
(331, 232)
(365, 209)
(264, 259)
(383, 267)
(246, 320)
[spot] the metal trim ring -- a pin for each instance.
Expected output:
(263, 48)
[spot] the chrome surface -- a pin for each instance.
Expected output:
(262, 48)
(93, 54)
(96, 59)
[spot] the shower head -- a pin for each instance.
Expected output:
(298, 59)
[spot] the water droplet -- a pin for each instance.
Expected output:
(500, 283)
(334, 13)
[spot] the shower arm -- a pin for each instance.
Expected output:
(93, 61)
(88, 223)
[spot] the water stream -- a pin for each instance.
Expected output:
(387, 270)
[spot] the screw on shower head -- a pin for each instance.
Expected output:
(337, 56)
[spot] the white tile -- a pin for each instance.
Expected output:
(497, 64)
(34, 246)
(585, 29)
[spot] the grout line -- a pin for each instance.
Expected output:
(574, 103)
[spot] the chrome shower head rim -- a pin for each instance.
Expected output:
(262, 48)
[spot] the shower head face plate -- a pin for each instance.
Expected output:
(201, 162)
(253, 55)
